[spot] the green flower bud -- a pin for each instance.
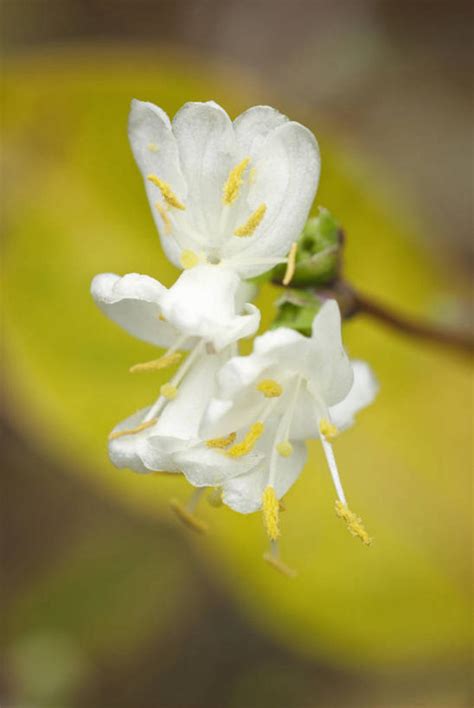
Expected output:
(296, 309)
(319, 253)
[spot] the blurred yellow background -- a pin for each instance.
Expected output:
(108, 602)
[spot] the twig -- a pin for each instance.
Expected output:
(461, 340)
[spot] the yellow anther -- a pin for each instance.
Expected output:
(246, 445)
(164, 216)
(169, 391)
(153, 147)
(284, 448)
(328, 429)
(188, 518)
(188, 259)
(234, 182)
(214, 498)
(162, 317)
(353, 523)
(278, 564)
(290, 265)
(222, 443)
(168, 195)
(271, 513)
(132, 431)
(269, 388)
(156, 364)
(252, 222)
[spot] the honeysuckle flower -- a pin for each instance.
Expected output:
(232, 193)
(202, 305)
(200, 313)
(308, 384)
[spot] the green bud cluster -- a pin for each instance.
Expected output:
(317, 265)
(319, 253)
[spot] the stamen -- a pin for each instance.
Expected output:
(132, 431)
(188, 518)
(270, 388)
(234, 182)
(354, 523)
(214, 498)
(169, 391)
(222, 443)
(188, 259)
(252, 222)
(328, 429)
(272, 557)
(168, 195)
(178, 377)
(156, 364)
(331, 460)
(271, 511)
(252, 175)
(246, 445)
(153, 147)
(291, 264)
(164, 215)
(284, 448)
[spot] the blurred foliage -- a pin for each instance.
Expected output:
(76, 207)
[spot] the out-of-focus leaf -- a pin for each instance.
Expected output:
(77, 207)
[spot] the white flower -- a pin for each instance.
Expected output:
(199, 313)
(204, 303)
(222, 192)
(306, 384)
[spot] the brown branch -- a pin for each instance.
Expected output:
(363, 304)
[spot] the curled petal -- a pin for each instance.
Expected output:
(132, 301)
(202, 303)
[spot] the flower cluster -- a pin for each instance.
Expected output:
(230, 200)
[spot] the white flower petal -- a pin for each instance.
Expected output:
(206, 467)
(182, 416)
(287, 167)
(332, 374)
(156, 152)
(363, 391)
(178, 425)
(126, 451)
(132, 301)
(207, 151)
(202, 303)
(244, 493)
(253, 126)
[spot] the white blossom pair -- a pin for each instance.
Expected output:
(230, 200)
